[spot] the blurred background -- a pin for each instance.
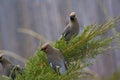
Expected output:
(48, 18)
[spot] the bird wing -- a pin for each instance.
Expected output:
(66, 31)
(61, 69)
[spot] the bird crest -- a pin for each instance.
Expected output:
(72, 14)
(44, 46)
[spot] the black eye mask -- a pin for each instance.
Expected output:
(1, 58)
(43, 49)
(72, 18)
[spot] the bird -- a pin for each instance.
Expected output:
(72, 28)
(9, 69)
(54, 58)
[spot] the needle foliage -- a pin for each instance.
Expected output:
(85, 46)
(77, 51)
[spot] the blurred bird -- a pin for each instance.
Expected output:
(9, 69)
(55, 58)
(72, 28)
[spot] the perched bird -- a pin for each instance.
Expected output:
(72, 28)
(55, 58)
(9, 69)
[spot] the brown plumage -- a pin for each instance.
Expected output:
(54, 57)
(72, 29)
(8, 68)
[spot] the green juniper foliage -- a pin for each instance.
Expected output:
(88, 43)
(2, 77)
(85, 46)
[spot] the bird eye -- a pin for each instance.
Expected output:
(45, 48)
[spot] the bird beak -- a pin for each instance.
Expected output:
(40, 49)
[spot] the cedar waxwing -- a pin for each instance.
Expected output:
(55, 58)
(8, 68)
(72, 29)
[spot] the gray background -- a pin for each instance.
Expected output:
(48, 18)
